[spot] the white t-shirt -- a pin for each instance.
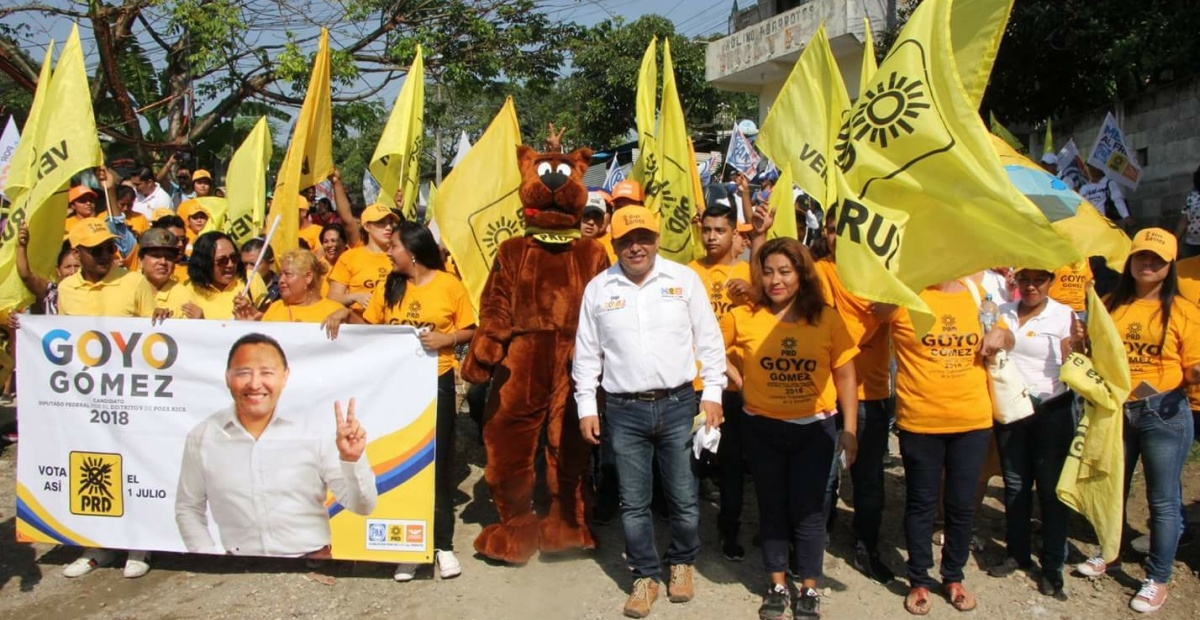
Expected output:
(147, 205)
(1095, 193)
(1038, 349)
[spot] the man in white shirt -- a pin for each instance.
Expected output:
(1106, 196)
(150, 195)
(265, 476)
(643, 325)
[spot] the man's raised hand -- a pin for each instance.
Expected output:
(351, 437)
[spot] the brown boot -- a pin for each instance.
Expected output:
(681, 590)
(645, 592)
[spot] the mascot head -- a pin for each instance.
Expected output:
(552, 189)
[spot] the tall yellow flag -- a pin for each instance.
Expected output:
(247, 184)
(647, 95)
(309, 158)
(478, 206)
(397, 158)
(670, 188)
(65, 143)
(22, 173)
(802, 125)
(915, 143)
(1048, 140)
(784, 206)
(868, 64)
(1093, 477)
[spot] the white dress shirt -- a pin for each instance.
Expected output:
(158, 199)
(1038, 349)
(267, 497)
(646, 337)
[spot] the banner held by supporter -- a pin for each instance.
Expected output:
(1113, 156)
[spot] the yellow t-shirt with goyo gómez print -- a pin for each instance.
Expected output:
(1158, 361)
(442, 304)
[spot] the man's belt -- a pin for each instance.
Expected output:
(650, 396)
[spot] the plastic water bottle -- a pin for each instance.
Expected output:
(989, 313)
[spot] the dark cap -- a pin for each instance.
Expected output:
(158, 238)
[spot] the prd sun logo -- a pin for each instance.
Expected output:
(888, 108)
(949, 323)
(414, 309)
(498, 231)
(1134, 331)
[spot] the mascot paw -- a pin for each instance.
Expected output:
(508, 543)
(559, 535)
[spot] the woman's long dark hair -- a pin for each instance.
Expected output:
(1126, 292)
(419, 242)
(200, 265)
(809, 301)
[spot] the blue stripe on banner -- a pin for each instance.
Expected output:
(27, 515)
(397, 476)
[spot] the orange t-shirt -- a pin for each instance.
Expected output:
(714, 278)
(360, 270)
(442, 304)
(1140, 325)
(1188, 271)
(312, 236)
(941, 383)
(280, 312)
(1069, 286)
(787, 368)
(873, 365)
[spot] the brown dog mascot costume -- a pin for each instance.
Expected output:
(525, 342)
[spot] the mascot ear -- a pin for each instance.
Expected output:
(525, 158)
(580, 160)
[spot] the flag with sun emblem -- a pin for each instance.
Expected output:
(915, 143)
(478, 206)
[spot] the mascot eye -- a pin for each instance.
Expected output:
(544, 168)
(563, 169)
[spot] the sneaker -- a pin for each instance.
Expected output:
(868, 563)
(1141, 544)
(977, 544)
(1008, 567)
(1150, 598)
(1051, 584)
(9, 438)
(733, 551)
(681, 589)
(405, 572)
(645, 592)
(137, 564)
(808, 604)
(776, 603)
(91, 559)
(1093, 567)
(448, 565)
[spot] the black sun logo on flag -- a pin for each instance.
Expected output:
(498, 231)
(888, 109)
(95, 478)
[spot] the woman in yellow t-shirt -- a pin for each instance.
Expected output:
(300, 298)
(790, 355)
(214, 275)
(360, 269)
(944, 412)
(1159, 329)
(420, 294)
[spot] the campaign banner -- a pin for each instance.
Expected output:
(1070, 166)
(1112, 155)
(202, 437)
(742, 155)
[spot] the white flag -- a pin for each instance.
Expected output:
(742, 154)
(8, 146)
(464, 145)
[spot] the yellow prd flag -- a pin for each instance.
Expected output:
(247, 184)
(397, 158)
(915, 143)
(22, 173)
(868, 64)
(802, 125)
(784, 206)
(1004, 134)
(65, 143)
(309, 158)
(1048, 141)
(647, 94)
(478, 205)
(672, 194)
(1093, 477)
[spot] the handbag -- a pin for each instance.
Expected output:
(1010, 395)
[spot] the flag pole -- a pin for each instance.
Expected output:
(258, 261)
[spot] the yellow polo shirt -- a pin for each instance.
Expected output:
(120, 293)
(219, 304)
(172, 296)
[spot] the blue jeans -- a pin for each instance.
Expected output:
(644, 434)
(1159, 429)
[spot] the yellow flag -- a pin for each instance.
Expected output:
(218, 209)
(647, 94)
(22, 173)
(670, 189)
(802, 125)
(1093, 476)
(433, 192)
(309, 158)
(478, 205)
(915, 143)
(397, 158)
(1048, 141)
(247, 184)
(868, 64)
(65, 143)
(784, 206)
(976, 27)
(1004, 134)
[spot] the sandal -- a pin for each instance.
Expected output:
(959, 597)
(917, 602)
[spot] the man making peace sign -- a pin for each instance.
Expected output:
(265, 476)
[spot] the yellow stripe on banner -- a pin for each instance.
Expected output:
(26, 532)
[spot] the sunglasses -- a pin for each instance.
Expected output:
(224, 261)
(103, 249)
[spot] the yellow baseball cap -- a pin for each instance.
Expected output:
(631, 218)
(302, 203)
(1155, 240)
(377, 212)
(160, 213)
(628, 189)
(201, 174)
(89, 233)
